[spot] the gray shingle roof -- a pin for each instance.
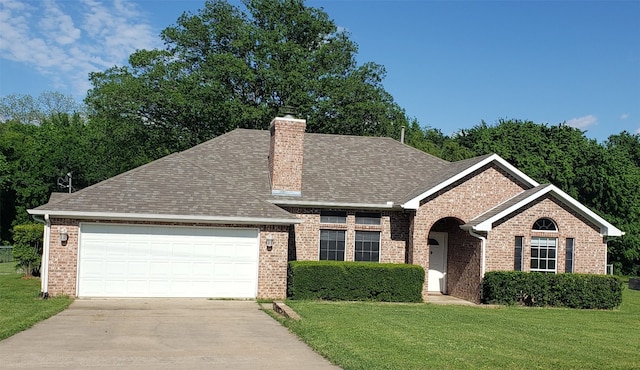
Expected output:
(371, 170)
(174, 185)
(228, 176)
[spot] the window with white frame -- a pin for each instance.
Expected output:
(367, 246)
(332, 245)
(543, 254)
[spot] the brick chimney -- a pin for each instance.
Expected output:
(285, 155)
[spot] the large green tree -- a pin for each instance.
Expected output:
(33, 157)
(29, 109)
(226, 67)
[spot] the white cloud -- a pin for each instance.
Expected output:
(583, 122)
(65, 41)
(624, 116)
(638, 131)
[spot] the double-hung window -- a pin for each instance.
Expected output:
(332, 245)
(544, 248)
(367, 248)
(332, 240)
(543, 254)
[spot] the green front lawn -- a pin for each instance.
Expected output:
(20, 306)
(422, 336)
(7, 268)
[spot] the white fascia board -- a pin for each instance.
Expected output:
(606, 228)
(166, 218)
(300, 203)
(415, 202)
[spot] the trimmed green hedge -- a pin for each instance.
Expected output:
(560, 290)
(355, 281)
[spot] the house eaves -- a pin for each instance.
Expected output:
(414, 201)
(485, 222)
(320, 204)
(165, 217)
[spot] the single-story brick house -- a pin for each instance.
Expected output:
(223, 218)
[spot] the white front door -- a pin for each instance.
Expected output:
(437, 262)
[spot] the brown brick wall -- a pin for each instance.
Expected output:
(394, 234)
(63, 258)
(272, 269)
(589, 248)
(463, 200)
(286, 154)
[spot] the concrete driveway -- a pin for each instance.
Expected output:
(159, 334)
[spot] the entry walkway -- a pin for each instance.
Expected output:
(437, 298)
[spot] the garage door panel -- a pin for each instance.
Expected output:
(203, 269)
(140, 268)
(116, 268)
(149, 261)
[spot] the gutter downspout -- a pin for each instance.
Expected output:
(483, 242)
(44, 268)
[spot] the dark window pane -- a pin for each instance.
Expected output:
(517, 258)
(551, 264)
(367, 218)
(568, 260)
(367, 246)
(534, 264)
(331, 217)
(332, 245)
(534, 252)
(545, 224)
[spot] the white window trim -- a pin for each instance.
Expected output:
(531, 246)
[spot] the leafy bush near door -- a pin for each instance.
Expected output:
(355, 281)
(560, 290)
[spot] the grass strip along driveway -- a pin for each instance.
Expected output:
(20, 306)
(359, 335)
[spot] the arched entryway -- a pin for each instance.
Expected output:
(454, 260)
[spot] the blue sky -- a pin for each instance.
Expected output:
(450, 64)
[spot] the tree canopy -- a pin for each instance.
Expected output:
(224, 68)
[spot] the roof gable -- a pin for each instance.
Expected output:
(485, 221)
(457, 171)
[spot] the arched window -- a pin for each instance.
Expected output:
(545, 224)
(543, 249)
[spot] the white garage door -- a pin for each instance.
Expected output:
(152, 261)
